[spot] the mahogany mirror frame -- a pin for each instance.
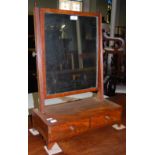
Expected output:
(39, 15)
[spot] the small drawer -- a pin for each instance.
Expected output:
(69, 129)
(107, 118)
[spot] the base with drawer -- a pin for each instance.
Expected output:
(63, 121)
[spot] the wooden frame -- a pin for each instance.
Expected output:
(40, 48)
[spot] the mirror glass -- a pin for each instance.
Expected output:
(70, 52)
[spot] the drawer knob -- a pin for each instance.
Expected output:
(72, 128)
(107, 117)
(34, 54)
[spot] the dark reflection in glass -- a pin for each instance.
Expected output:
(71, 52)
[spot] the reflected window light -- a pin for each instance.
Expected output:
(73, 17)
(63, 26)
(74, 5)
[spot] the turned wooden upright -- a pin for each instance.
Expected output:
(73, 117)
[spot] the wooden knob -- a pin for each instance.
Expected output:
(72, 128)
(107, 117)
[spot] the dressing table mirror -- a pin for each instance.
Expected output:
(70, 62)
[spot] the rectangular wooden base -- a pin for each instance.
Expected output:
(62, 121)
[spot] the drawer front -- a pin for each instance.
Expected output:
(107, 118)
(68, 129)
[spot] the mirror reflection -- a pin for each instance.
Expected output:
(70, 52)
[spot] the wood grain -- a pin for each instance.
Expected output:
(100, 92)
(74, 118)
(96, 142)
(38, 44)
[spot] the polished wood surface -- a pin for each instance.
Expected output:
(58, 11)
(74, 118)
(38, 43)
(97, 142)
(100, 61)
(71, 93)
